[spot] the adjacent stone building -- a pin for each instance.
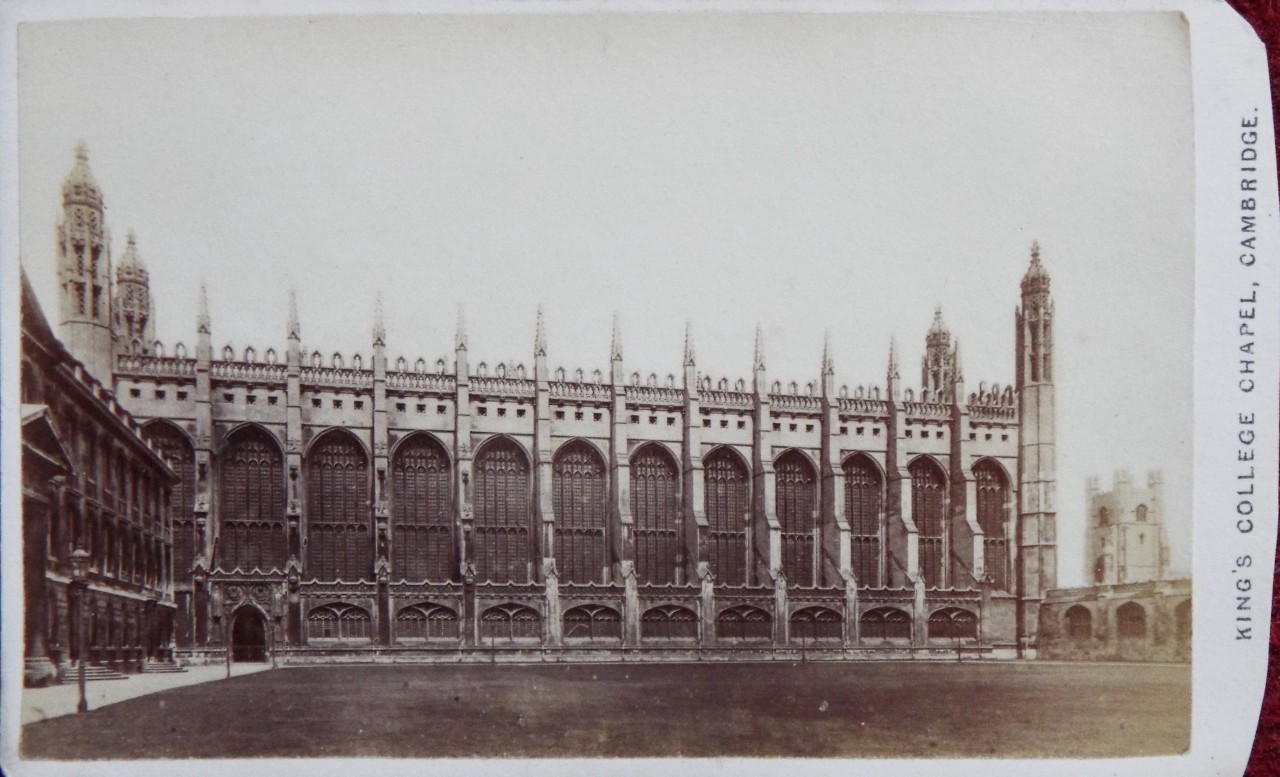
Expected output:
(1133, 611)
(390, 508)
(90, 482)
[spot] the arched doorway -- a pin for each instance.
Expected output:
(249, 636)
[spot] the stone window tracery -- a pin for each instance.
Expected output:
(339, 546)
(252, 504)
(796, 492)
(502, 515)
(578, 495)
(727, 501)
(993, 514)
(422, 526)
(864, 507)
(655, 508)
(928, 509)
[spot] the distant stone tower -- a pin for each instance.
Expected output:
(134, 322)
(84, 272)
(1037, 479)
(1125, 539)
(938, 368)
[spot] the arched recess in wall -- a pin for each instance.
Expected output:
(655, 510)
(796, 489)
(579, 497)
(864, 510)
(251, 501)
(727, 504)
(176, 448)
(993, 508)
(501, 499)
(422, 544)
(339, 541)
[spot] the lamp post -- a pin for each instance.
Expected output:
(79, 573)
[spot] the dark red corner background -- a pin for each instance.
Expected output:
(1264, 15)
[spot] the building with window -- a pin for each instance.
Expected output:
(1134, 610)
(331, 506)
(91, 482)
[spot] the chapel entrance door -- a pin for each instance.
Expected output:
(249, 636)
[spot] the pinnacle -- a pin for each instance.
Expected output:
(759, 347)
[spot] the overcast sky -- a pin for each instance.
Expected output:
(812, 173)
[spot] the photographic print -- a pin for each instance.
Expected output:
(730, 383)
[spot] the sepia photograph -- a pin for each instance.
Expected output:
(623, 384)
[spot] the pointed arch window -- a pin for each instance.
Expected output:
(176, 448)
(578, 497)
(655, 509)
(727, 501)
(252, 503)
(864, 509)
(422, 527)
(339, 546)
(928, 509)
(502, 516)
(796, 485)
(993, 514)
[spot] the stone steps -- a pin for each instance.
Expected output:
(94, 672)
(162, 667)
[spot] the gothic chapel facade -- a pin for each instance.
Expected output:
(362, 507)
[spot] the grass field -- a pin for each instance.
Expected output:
(783, 709)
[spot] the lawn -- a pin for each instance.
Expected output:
(766, 709)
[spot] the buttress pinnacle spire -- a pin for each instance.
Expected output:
(460, 337)
(540, 336)
(130, 258)
(758, 356)
(690, 357)
(893, 359)
(203, 325)
(379, 328)
(295, 328)
(828, 365)
(616, 346)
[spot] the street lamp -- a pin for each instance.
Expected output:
(79, 573)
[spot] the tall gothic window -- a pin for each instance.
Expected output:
(796, 493)
(252, 503)
(727, 499)
(339, 546)
(502, 513)
(863, 507)
(578, 498)
(993, 512)
(177, 450)
(928, 509)
(655, 509)
(422, 526)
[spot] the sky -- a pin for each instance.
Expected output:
(810, 173)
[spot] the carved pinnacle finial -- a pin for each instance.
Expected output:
(616, 346)
(82, 151)
(540, 336)
(379, 328)
(130, 258)
(893, 358)
(955, 359)
(460, 338)
(295, 328)
(1036, 280)
(690, 357)
(759, 348)
(828, 366)
(203, 324)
